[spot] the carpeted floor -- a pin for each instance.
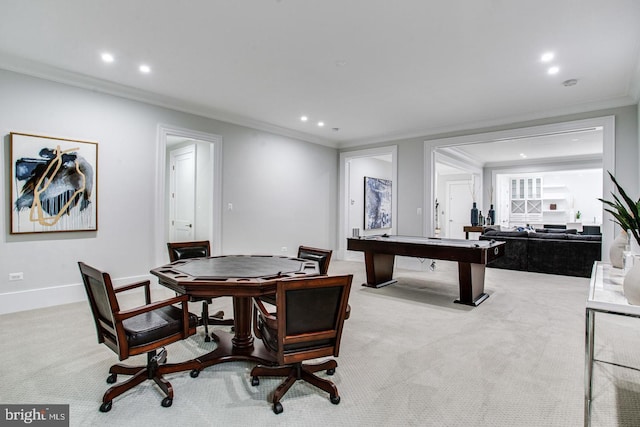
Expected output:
(409, 357)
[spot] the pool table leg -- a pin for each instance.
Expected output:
(379, 269)
(471, 282)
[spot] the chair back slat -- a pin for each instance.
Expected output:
(103, 303)
(312, 310)
(310, 316)
(323, 256)
(184, 250)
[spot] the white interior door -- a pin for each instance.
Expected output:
(182, 163)
(459, 202)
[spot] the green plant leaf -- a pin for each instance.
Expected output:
(626, 214)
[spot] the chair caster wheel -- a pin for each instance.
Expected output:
(106, 406)
(331, 371)
(194, 373)
(255, 381)
(166, 402)
(277, 408)
(112, 378)
(335, 399)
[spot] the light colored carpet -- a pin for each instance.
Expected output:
(409, 357)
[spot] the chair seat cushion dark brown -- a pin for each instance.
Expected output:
(154, 325)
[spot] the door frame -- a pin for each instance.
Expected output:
(343, 202)
(160, 217)
(608, 159)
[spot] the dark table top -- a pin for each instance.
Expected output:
(247, 275)
(225, 267)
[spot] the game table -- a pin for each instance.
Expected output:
(471, 255)
(241, 277)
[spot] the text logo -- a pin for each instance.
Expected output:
(34, 415)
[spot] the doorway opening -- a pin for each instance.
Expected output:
(603, 127)
(354, 166)
(188, 188)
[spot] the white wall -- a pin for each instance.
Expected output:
(283, 190)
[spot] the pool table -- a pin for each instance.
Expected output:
(471, 255)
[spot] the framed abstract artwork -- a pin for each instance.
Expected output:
(377, 203)
(54, 184)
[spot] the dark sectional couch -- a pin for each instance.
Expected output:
(547, 251)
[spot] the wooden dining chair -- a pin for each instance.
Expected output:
(199, 249)
(322, 256)
(143, 329)
(307, 324)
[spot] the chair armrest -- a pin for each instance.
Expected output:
(145, 283)
(269, 318)
(125, 314)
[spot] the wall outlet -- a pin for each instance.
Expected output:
(16, 276)
(283, 249)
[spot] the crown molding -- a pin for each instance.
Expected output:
(58, 75)
(476, 127)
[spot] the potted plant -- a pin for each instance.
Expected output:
(626, 214)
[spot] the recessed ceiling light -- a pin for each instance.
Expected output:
(524, 156)
(304, 118)
(320, 124)
(145, 69)
(107, 57)
(547, 56)
(553, 70)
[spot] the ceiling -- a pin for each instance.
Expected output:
(371, 70)
(579, 145)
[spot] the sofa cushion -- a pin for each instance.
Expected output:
(554, 236)
(496, 233)
(585, 237)
(569, 258)
(557, 230)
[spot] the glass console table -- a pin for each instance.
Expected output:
(605, 296)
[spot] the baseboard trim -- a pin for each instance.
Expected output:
(31, 299)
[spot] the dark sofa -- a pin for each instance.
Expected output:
(547, 251)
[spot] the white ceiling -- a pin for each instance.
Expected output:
(376, 70)
(579, 145)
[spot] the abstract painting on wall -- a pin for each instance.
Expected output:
(54, 184)
(377, 203)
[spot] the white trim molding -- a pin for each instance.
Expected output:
(161, 219)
